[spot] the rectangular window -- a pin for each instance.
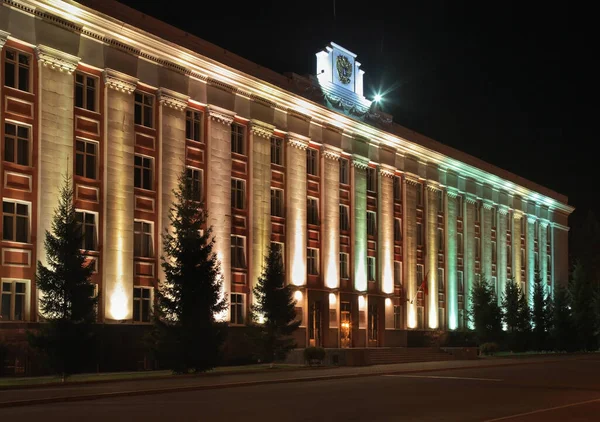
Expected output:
(16, 143)
(477, 248)
(420, 277)
(460, 284)
(237, 139)
(522, 258)
(144, 109)
(371, 179)
(344, 273)
(143, 172)
(397, 229)
(371, 268)
(477, 212)
(508, 255)
(397, 317)
(15, 221)
(494, 218)
(459, 243)
(548, 267)
(276, 151)
(278, 247)
(398, 273)
(312, 261)
(312, 164)
(440, 201)
(17, 67)
(495, 285)
(419, 195)
(312, 210)
(494, 252)
(196, 180)
(142, 304)
(440, 239)
(459, 207)
(344, 218)
(238, 251)
(536, 261)
(419, 235)
(397, 189)
(13, 301)
(237, 309)
(522, 225)
(441, 280)
(276, 202)
(371, 223)
(344, 171)
(373, 322)
(86, 158)
(194, 125)
(548, 233)
(143, 246)
(238, 194)
(87, 227)
(85, 91)
(536, 229)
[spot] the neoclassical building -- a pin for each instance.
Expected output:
(382, 230)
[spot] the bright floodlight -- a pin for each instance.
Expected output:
(377, 98)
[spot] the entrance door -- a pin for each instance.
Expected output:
(373, 325)
(314, 324)
(346, 325)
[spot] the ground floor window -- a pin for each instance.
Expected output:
(142, 304)
(373, 324)
(345, 324)
(236, 308)
(314, 324)
(12, 302)
(397, 317)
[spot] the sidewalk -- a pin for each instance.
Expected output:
(91, 391)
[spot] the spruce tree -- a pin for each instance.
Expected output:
(510, 306)
(540, 317)
(522, 338)
(584, 318)
(562, 327)
(189, 339)
(484, 313)
(275, 308)
(67, 301)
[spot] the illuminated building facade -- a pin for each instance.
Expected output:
(362, 209)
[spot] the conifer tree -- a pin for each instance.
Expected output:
(275, 307)
(540, 315)
(485, 314)
(584, 315)
(510, 306)
(188, 337)
(562, 328)
(67, 300)
(523, 335)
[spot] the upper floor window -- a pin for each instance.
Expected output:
(142, 239)
(193, 125)
(344, 218)
(236, 309)
(238, 251)
(312, 211)
(143, 172)
(195, 179)
(441, 280)
(440, 201)
(440, 239)
(460, 283)
(276, 202)
(371, 223)
(13, 301)
(344, 273)
(278, 247)
(459, 206)
(15, 221)
(397, 189)
(17, 69)
(371, 268)
(344, 171)
(459, 243)
(237, 139)
(397, 230)
(398, 273)
(238, 193)
(494, 217)
(312, 162)
(371, 179)
(477, 248)
(419, 234)
(86, 158)
(276, 151)
(419, 194)
(142, 304)
(85, 91)
(312, 261)
(477, 212)
(87, 227)
(420, 277)
(494, 252)
(144, 109)
(16, 143)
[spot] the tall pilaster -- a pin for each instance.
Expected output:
(172, 157)
(218, 190)
(359, 166)
(330, 198)
(55, 159)
(516, 247)
(501, 248)
(3, 38)
(295, 205)
(410, 247)
(451, 260)
(469, 252)
(530, 257)
(119, 195)
(260, 203)
(431, 256)
(385, 229)
(486, 241)
(543, 239)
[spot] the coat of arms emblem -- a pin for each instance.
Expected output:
(344, 68)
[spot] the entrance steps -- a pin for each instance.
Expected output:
(387, 355)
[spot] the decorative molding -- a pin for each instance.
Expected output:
(332, 153)
(544, 223)
(261, 129)
(297, 141)
(531, 219)
(296, 113)
(411, 179)
(470, 198)
(120, 81)
(263, 101)
(517, 215)
(433, 186)
(487, 204)
(387, 171)
(561, 227)
(361, 163)
(3, 38)
(503, 209)
(172, 99)
(333, 128)
(452, 192)
(56, 59)
(221, 85)
(221, 115)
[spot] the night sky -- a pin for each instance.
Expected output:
(515, 85)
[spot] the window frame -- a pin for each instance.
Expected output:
(197, 194)
(397, 311)
(344, 263)
(281, 247)
(372, 223)
(277, 151)
(371, 175)
(13, 295)
(141, 300)
(441, 280)
(312, 212)
(397, 188)
(238, 138)
(191, 120)
(344, 171)
(277, 198)
(314, 259)
(144, 235)
(141, 169)
(371, 268)
(240, 314)
(344, 218)
(17, 66)
(15, 216)
(398, 276)
(236, 247)
(312, 161)
(16, 138)
(84, 224)
(84, 86)
(85, 154)
(238, 189)
(143, 108)
(420, 235)
(460, 282)
(420, 270)
(440, 239)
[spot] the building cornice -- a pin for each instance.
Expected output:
(3, 38)
(261, 129)
(172, 99)
(56, 59)
(221, 115)
(120, 81)
(108, 30)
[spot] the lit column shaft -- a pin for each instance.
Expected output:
(486, 241)
(516, 247)
(218, 191)
(359, 166)
(260, 212)
(501, 247)
(119, 196)
(451, 261)
(543, 253)
(330, 198)
(469, 252)
(295, 205)
(385, 230)
(530, 257)
(432, 254)
(410, 247)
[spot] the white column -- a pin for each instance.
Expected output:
(385, 231)
(359, 228)
(330, 198)
(295, 205)
(451, 260)
(516, 247)
(469, 251)
(260, 203)
(432, 254)
(501, 248)
(410, 247)
(119, 195)
(171, 163)
(486, 241)
(55, 158)
(530, 257)
(218, 191)
(543, 239)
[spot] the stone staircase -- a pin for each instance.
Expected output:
(386, 355)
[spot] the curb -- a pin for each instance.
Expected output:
(98, 396)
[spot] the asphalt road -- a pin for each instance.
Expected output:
(559, 391)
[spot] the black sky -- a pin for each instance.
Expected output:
(513, 84)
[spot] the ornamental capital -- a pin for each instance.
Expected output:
(433, 186)
(331, 152)
(452, 192)
(517, 214)
(387, 171)
(221, 115)
(360, 162)
(470, 198)
(544, 223)
(411, 179)
(261, 129)
(487, 204)
(531, 219)
(172, 99)
(298, 141)
(3, 37)
(56, 59)
(502, 209)
(120, 81)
